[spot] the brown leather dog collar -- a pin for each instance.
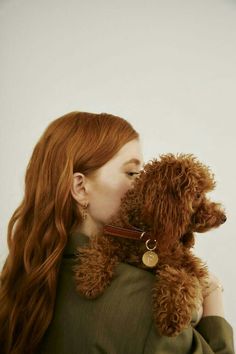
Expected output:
(135, 233)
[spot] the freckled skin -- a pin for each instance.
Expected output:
(108, 186)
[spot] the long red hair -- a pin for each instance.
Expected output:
(39, 227)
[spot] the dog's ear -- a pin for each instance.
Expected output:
(167, 192)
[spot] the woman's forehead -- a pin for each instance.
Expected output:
(130, 153)
(134, 160)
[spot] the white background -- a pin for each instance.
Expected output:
(169, 67)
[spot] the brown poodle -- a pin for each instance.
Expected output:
(165, 206)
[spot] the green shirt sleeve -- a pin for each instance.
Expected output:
(213, 334)
(218, 333)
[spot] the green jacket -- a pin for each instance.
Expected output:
(120, 320)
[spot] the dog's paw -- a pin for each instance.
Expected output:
(174, 300)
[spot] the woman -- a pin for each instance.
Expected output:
(79, 170)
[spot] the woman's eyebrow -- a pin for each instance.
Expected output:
(136, 161)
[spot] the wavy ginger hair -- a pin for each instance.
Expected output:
(38, 229)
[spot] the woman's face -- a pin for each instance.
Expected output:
(112, 180)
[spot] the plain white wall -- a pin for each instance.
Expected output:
(166, 66)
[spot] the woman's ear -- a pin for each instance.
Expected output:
(78, 188)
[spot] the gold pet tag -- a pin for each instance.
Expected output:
(150, 259)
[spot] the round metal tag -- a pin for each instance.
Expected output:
(150, 259)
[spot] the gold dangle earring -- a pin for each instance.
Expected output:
(84, 209)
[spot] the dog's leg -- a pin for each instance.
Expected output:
(196, 267)
(174, 300)
(94, 269)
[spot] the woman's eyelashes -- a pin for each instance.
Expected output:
(131, 174)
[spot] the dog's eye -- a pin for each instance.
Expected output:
(198, 195)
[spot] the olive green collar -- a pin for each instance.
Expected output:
(75, 239)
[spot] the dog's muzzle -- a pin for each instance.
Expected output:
(223, 220)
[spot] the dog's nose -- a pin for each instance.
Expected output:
(224, 218)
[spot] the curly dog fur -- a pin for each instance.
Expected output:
(168, 199)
